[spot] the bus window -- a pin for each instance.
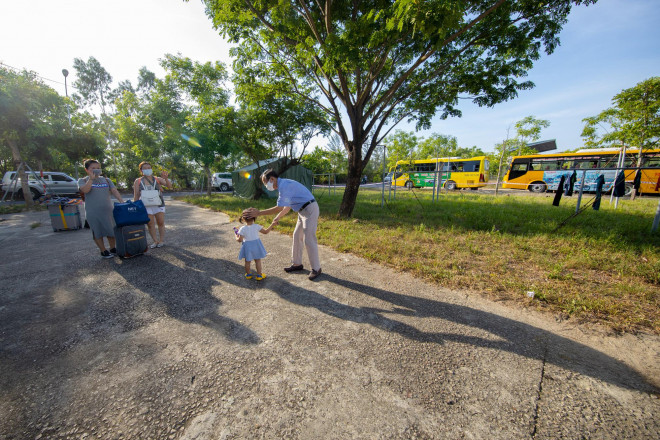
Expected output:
(424, 167)
(545, 165)
(567, 164)
(471, 166)
(608, 162)
(652, 162)
(586, 164)
(519, 167)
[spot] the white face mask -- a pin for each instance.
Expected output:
(269, 186)
(148, 172)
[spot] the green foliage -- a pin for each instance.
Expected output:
(633, 120)
(93, 84)
(317, 161)
(401, 145)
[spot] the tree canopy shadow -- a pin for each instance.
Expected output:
(185, 292)
(513, 336)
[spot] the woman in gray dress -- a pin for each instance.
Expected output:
(98, 206)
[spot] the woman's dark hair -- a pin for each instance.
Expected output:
(269, 173)
(89, 162)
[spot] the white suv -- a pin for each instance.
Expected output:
(222, 181)
(56, 183)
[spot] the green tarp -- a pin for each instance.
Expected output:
(246, 179)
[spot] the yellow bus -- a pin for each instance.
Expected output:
(542, 172)
(453, 172)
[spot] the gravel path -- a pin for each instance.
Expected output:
(177, 344)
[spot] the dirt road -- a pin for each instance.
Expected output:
(177, 344)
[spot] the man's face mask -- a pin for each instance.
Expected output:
(147, 172)
(269, 185)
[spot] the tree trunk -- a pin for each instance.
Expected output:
(16, 154)
(355, 168)
(209, 184)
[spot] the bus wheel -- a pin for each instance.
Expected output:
(451, 185)
(538, 187)
(409, 184)
(629, 188)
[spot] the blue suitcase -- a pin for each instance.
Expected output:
(130, 213)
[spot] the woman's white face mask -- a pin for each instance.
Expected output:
(147, 172)
(269, 186)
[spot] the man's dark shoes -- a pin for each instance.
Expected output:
(314, 274)
(293, 268)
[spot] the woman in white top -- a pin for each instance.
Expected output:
(156, 213)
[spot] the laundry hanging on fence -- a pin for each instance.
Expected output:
(570, 183)
(600, 181)
(555, 202)
(638, 180)
(620, 185)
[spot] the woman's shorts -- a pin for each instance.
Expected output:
(153, 210)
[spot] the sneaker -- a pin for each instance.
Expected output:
(113, 251)
(248, 276)
(293, 268)
(314, 274)
(260, 276)
(161, 244)
(106, 254)
(153, 246)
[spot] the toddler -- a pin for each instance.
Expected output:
(251, 248)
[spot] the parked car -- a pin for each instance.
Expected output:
(387, 178)
(55, 183)
(222, 181)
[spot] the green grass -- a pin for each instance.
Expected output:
(602, 266)
(13, 209)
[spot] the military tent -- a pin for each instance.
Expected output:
(246, 179)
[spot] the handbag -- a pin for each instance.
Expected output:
(150, 197)
(130, 213)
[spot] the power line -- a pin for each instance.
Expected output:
(36, 74)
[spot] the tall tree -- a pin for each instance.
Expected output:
(32, 115)
(438, 145)
(633, 119)
(373, 63)
(208, 130)
(93, 84)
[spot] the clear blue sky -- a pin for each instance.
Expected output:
(605, 48)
